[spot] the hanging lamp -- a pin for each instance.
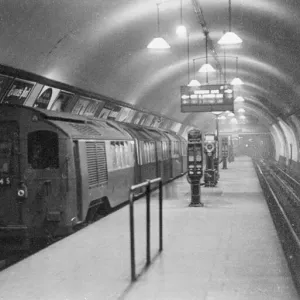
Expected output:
(239, 99)
(206, 67)
(181, 29)
(236, 80)
(230, 38)
(194, 82)
(158, 42)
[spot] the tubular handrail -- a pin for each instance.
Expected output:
(147, 185)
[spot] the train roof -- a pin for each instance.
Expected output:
(80, 127)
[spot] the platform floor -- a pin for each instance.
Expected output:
(227, 250)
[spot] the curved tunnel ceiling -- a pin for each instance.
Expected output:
(101, 46)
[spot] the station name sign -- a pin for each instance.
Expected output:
(207, 98)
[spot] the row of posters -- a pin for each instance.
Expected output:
(17, 91)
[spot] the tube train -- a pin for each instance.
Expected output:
(58, 169)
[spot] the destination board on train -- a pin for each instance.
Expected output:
(207, 98)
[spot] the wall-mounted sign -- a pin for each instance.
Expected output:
(47, 95)
(62, 102)
(110, 111)
(93, 107)
(19, 92)
(5, 81)
(124, 112)
(81, 105)
(207, 98)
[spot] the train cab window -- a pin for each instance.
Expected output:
(43, 150)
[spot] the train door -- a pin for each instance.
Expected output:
(44, 179)
(9, 173)
(78, 182)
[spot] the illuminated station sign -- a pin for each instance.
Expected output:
(207, 98)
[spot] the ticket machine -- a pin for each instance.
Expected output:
(210, 151)
(195, 165)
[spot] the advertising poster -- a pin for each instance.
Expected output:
(114, 113)
(125, 111)
(155, 122)
(62, 101)
(47, 95)
(104, 113)
(149, 120)
(137, 117)
(19, 92)
(93, 107)
(5, 81)
(81, 106)
(130, 116)
(143, 119)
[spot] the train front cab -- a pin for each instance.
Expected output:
(30, 175)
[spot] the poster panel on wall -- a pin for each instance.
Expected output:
(130, 116)
(93, 107)
(18, 92)
(114, 113)
(124, 112)
(137, 117)
(5, 82)
(46, 97)
(62, 102)
(81, 106)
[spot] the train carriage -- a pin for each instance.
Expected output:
(146, 153)
(57, 170)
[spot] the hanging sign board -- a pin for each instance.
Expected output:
(207, 98)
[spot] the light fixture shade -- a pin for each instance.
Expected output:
(233, 121)
(222, 118)
(158, 43)
(216, 112)
(181, 31)
(239, 99)
(230, 38)
(241, 110)
(206, 68)
(194, 82)
(242, 117)
(237, 81)
(231, 114)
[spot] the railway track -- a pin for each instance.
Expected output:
(282, 195)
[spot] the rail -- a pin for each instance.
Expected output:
(284, 222)
(147, 184)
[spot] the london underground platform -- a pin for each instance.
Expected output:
(227, 249)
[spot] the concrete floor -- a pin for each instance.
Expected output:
(227, 249)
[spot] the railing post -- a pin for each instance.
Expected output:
(132, 244)
(148, 191)
(160, 216)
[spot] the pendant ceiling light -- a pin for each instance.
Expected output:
(239, 99)
(230, 38)
(194, 82)
(158, 42)
(181, 29)
(237, 80)
(206, 67)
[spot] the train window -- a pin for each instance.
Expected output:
(43, 149)
(126, 154)
(9, 140)
(113, 154)
(122, 159)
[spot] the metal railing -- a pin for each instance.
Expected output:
(148, 191)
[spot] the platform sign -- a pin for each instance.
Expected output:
(207, 98)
